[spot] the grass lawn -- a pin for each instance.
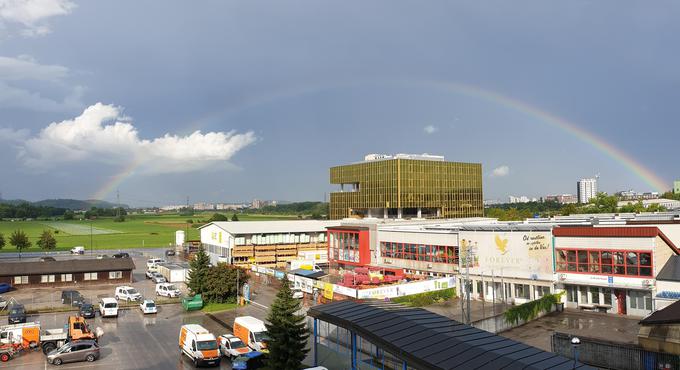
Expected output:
(217, 307)
(138, 231)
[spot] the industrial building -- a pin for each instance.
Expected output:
(407, 186)
(264, 243)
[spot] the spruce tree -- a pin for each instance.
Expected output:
(198, 271)
(47, 241)
(287, 332)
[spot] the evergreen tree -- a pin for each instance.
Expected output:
(198, 271)
(47, 241)
(234, 217)
(287, 332)
(2, 241)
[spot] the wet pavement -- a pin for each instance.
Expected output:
(610, 327)
(478, 310)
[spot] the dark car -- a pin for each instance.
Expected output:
(87, 310)
(17, 314)
(72, 298)
(247, 361)
(46, 259)
(80, 350)
(170, 252)
(121, 255)
(4, 287)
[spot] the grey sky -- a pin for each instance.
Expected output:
(295, 87)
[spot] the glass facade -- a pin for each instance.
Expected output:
(420, 252)
(344, 246)
(453, 189)
(605, 262)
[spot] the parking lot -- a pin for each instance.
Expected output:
(133, 340)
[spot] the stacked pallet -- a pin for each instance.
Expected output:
(265, 255)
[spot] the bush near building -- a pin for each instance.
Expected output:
(530, 310)
(427, 298)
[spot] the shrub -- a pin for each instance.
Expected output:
(427, 298)
(529, 311)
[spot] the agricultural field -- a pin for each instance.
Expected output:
(137, 231)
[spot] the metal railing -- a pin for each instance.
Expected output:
(611, 355)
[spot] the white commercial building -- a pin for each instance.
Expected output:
(587, 189)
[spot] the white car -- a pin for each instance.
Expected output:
(148, 306)
(127, 293)
(153, 262)
(297, 293)
(167, 290)
(108, 307)
(158, 278)
(231, 346)
(3, 302)
(149, 273)
(78, 250)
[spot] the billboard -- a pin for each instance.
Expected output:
(518, 254)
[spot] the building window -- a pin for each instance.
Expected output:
(595, 294)
(20, 280)
(542, 291)
(47, 279)
(522, 291)
(640, 300)
(605, 262)
(344, 246)
(90, 276)
(66, 277)
(420, 252)
(571, 293)
(115, 274)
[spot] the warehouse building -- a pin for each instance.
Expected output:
(407, 186)
(264, 243)
(65, 272)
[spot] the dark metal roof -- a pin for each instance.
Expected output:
(65, 266)
(667, 315)
(429, 341)
(671, 270)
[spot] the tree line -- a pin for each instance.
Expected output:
(20, 241)
(26, 210)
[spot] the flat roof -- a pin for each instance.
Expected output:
(426, 340)
(65, 266)
(273, 227)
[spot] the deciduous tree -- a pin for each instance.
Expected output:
(47, 241)
(19, 240)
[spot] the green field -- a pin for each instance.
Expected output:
(148, 231)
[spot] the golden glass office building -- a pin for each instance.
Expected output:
(406, 186)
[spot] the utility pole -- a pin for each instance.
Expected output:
(238, 270)
(117, 204)
(90, 237)
(493, 300)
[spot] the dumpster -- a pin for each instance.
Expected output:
(192, 303)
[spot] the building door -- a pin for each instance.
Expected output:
(621, 301)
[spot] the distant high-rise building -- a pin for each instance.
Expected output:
(405, 186)
(562, 198)
(257, 204)
(586, 190)
(676, 187)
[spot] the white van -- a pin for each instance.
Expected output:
(108, 307)
(152, 262)
(78, 250)
(127, 293)
(199, 345)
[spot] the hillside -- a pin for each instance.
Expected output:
(72, 204)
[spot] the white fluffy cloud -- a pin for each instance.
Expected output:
(430, 129)
(102, 134)
(31, 15)
(500, 171)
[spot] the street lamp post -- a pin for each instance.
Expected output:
(575, 342)
(90, 237)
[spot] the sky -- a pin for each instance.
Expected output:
(224, 101)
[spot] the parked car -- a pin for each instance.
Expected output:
(148, 306)
(149, 273)
(102, 256)
(167, 290)
(47, 258)
(4, 287)
(108, 307)
(72, 298)
(17, 314)
(87, 310)
(153, 262)
(78, 250)
(4, 303)
(231, 346)
(77, 351)
(170, 252)
(127, 293)
(121, 255)
(297, 293)
(247, 361)
(158, 278)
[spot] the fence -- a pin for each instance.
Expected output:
(612, 355)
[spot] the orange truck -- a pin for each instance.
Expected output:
(252, 332)
(199, 345)
(30, 336)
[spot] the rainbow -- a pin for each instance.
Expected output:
(611, 151)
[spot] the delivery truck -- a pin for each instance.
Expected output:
(31, 336)
(199, 345)
(252, 332)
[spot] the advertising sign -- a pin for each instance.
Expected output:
(519, 254)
